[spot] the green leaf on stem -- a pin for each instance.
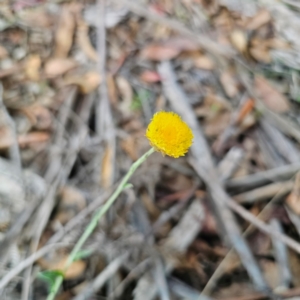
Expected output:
(50, 277)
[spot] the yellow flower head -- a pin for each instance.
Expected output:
(169, 135)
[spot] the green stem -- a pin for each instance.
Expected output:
(96, 218)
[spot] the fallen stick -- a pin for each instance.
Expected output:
(203, 164)
(262, 178)
(266, 192)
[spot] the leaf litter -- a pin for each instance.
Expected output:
(60, 156)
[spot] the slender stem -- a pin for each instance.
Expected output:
(58, 281)
(96, 218)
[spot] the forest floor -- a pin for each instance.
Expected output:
(80, 82)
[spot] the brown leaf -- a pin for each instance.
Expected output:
(277, 43)
(294, 263)
(58, 66)
(263, 17)
(271, 272)
(239, 40)
(74, 270)
(129, 146)
(270, 95)
(159, 52)
(168, 49)
(235, 290)
(32, 67)
(3, 52)
(39, 116)
(246, 108)
(6, 138)
(229, 84)
(150, 76)
(126, 93)
(86, 83)
(293, 199)
(261, 54)
(183, 44)
(33, 137)
(84, 41)
(247, 122)
(64, 33)
(10, 71)
(112, 90)
(71, 202)
(107, 167)
(204, 62)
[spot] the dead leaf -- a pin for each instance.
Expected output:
(293, 199)
(223, 20)
(235, 290)
(58, 66)
(246, 108)
(112, 90)
(3, 52)
(10, 71)
(204, 62)
(150, 76)
(107, 168)
(6, 139)
(71, 202)
(263, 17)
(74, 270)
(270, 95)
(294, 263)
(86, 83)
(277, 43)
(129, 146)
(24, 140)
(182, 43)
(39, 116)
(247, 122)
(229, 84)
(159, 52)
(239, 40)
(33, 137)
(64, 33)
(168, 49)
(32, 67)
(126, 93)
(84, 41)
(271, 272)
(261, 54)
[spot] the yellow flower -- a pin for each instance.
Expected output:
(169, 135)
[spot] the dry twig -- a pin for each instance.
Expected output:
(203, 165)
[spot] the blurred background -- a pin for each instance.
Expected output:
(80, 81)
